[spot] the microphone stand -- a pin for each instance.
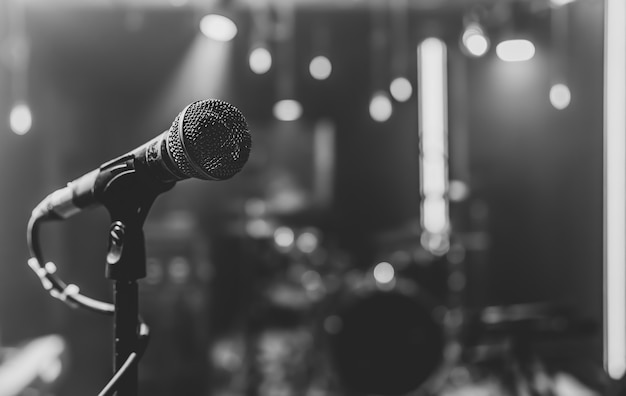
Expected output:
(128, 198)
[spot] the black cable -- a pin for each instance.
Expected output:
(133, 358)
(111, 387)
(70, 294)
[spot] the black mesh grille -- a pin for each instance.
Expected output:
(215, 140)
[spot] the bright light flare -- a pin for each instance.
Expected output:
(615, 188)
(435, 215)
(307, 242)
(320, 67)
(284, 237)
(560, 96)
(474, 40)
(401, 89)
(515, 50)
(433, 130)
(560, 3)
(432, 82)
(21, 119)
(380, 107)
(218, 27)
(260, 60)
(384, 273)
(458, 190)
(287, 110)
(434, 174)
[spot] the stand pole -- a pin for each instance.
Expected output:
(126, 334)
(125, 265)
(128, 198)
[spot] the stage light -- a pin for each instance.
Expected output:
(560, 96)
(312, 282)
(284, 237)
(401, 89)
(260, 60)
(615, 188)
(324, 169)
(435, 215)
(218, 27)
(287, 110)
(179, 269)
(432, 83)
(255, 207)
(384, 273)
(320, 67)
(560, 3)
(433, 130)
(21, 119)
(380, 107)
(515, 50)
(458, 190)
(436, 244)
(307, 242)
(433, 172)
(259, 228)
(474, 40)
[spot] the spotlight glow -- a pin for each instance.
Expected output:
(284, 237)
(218, 27)
(384, 273)
(307, 242)
(380, 107)
(260, 60)
(401, 89)
(320, 67)
(21, 119)
(515, 50)
(287, 110)
(435, 216)
(458, 190)
(560, 3)
(560, 96)
(475, 41)
(433, 131)
(614, 188)
(477, 45)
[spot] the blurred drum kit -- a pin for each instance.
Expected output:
(323, 325)
(320, 324)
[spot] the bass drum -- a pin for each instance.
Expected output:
(385, 338)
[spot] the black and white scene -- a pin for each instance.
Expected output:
(313, 197)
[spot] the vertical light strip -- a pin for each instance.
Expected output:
(615, 188)
(324, 161)
(21, 118)
(433, 130)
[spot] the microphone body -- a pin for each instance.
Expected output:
(84, 192)
(208, 140)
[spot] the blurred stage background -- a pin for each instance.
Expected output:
(263, 284)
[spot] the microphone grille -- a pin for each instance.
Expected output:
(209, 140)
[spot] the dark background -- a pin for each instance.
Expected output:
(105, 79)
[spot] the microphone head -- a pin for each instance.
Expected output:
(209, 140)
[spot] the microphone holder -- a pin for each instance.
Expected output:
(128, 197)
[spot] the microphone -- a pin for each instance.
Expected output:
(208, 140)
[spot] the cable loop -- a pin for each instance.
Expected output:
(70, 295)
